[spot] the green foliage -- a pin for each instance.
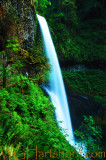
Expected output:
(13, 58)
(90, 45)
(12, 44)
(90, 83)
(83, 46)
(37, 59)
(41, 6)
(89, 134)
(78, 29)
(9, 57)
(28, 120)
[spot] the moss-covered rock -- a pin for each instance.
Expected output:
(17, 19)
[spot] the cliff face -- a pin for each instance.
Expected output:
(17, 18)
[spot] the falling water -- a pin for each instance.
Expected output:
(56, 88)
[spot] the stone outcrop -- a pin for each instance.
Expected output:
(26, 24)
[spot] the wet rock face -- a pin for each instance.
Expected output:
(79, 106)
(26, 15)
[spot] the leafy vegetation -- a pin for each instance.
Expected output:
(26, 114)
(28, 120)
(89, 135)
(25, 111)
(78, 29)
(18, 58)
(89, 83)
(41, 6)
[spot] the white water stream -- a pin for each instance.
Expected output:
(56, 87)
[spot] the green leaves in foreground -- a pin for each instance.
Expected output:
(89, 134)
(26, 121)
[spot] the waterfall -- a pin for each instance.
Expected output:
(56, 88)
